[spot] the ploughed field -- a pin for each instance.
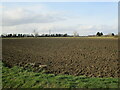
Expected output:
(93, 57)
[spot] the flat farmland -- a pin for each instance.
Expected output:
(92, 57)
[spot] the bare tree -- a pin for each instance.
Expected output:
(35, 33)
(75, 34)
(49, 32)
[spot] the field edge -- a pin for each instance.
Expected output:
(18, 77)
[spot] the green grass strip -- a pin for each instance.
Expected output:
(18, 77)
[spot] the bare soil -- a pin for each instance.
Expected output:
(93, 57)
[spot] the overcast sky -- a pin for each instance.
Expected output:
(86, 18)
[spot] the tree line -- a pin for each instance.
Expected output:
(101, 34)
(35, 35)
(75, 34)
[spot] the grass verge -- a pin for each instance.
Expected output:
(18, 77)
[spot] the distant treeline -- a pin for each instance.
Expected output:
(53, 35)
(32, 35)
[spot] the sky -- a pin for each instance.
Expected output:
(87, 18)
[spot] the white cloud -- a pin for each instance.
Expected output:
(34, 14)
(92, 29)
(1, 6)
(44, 28)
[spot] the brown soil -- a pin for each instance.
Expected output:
(74, 56)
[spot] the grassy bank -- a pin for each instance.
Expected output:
(18, 77)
